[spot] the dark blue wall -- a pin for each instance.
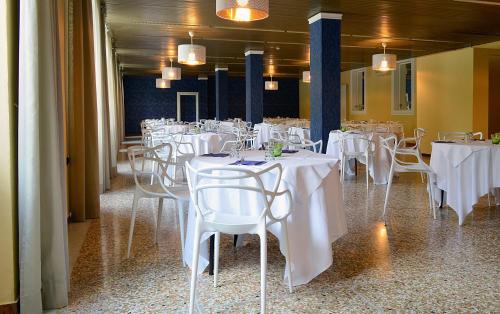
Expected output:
(284, 102)
(143, 100)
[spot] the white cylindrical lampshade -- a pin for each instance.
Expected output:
(306, 76)
(242, 10)
(161, 83)
(191, 54)
(171, 73)
(384, 62)
(271, 85)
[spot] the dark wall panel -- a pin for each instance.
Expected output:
(143, 100)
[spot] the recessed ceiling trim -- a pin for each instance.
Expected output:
(325, 16)
(479, 2)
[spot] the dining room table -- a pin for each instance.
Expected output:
(465, 171)
(317, 219)
(205, 142)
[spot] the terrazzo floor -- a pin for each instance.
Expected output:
(415, 265)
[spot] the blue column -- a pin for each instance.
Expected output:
(203, 102)
(324, 29)
(221, 95)
(254, 83)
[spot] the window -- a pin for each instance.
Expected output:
(403, 88)
(358, 91)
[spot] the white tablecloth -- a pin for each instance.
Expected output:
(205, 143)
(176, 128)
(318, 218)
(466, 172)
(380, 165)
(395, 128)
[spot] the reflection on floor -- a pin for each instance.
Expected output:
(417, 264)
(77, 232)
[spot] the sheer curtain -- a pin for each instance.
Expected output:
(113, 122)
(103, 121)
(43, 255)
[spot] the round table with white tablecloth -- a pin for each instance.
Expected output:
(466, 171)
(379, 166)
(205, 143)
(317, 220)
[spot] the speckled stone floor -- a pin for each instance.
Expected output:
(415, 265)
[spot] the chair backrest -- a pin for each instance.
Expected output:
(477, 136)
(446, 136)
(316, 147)
(398, 150)
(182, 147)
(230, 146)
(228, 180)
(352, 143)
(148, 168)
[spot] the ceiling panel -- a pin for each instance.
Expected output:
(146, 32)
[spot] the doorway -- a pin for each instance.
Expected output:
(187, 106)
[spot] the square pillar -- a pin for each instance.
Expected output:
(221, 94)
(254, 83)
(324, 29)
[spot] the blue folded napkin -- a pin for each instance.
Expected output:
(289, 151)
(450, 142)
(249, 162)
(215, 155)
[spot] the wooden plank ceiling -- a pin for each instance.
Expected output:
(146, 32)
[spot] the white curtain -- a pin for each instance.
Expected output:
(102, 99)
(113, 122)
(43, 255)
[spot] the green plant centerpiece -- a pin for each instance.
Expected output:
(343, 129)
(277, 149)
(495, 138)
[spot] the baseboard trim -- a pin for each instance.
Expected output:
(11, 308)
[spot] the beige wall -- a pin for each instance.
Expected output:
(304, 101)
(445, 93)
(8, 213)
(378, 100)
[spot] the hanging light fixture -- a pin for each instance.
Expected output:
(242, 10)
(171, 73)
(271, 85)
(191, 54)
(384, 62)
(306, 76)
(162, 83)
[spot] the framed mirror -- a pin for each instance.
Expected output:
(403, 88)
(358, 91)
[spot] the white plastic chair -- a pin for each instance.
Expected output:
(477, 135)
(316, 147)
(399, 166)
(162, 186)
(233, 179)
(356, 145)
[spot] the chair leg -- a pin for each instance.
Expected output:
(388, 190)
(431, 191)
(263, 270)
(132, 224)
(194, 266)
(216, 258)
(153, 165)
(367, 171)
(287, 255)
(422, 176)
(180, 209)
(158, 219)
(489, 199)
